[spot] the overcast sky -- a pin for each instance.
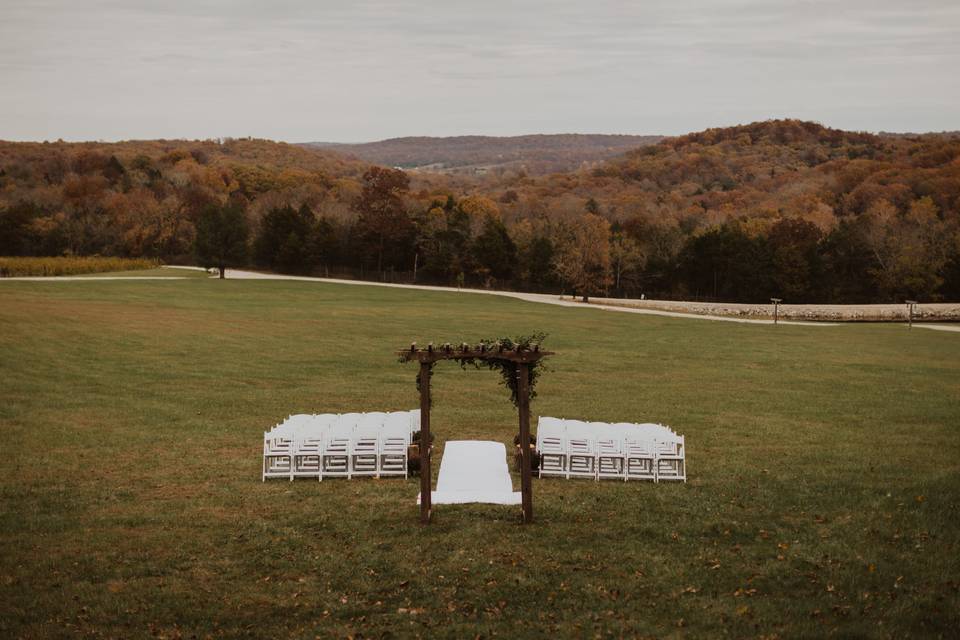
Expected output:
(302, 70)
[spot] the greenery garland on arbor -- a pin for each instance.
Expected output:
(506, 368)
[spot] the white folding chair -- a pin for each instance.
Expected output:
(365, 445)
(581, 450)
(552, 446)
(278, 448)
(336, 447)
(611, 461)
(394, 440)
(640, 456)
(277, 455)
(671, 459)
(308, 446)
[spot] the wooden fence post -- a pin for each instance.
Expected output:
(523, 397)
(425, 480)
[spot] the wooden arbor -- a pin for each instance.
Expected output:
(521, 359)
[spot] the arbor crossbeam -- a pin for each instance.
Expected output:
(464, 351)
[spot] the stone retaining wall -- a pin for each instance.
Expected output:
(932, 312)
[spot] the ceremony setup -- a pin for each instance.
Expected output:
(383, 444)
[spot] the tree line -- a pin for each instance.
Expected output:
(783, 208)
(878, 256)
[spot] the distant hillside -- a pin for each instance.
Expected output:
(473, 155)
(266, 154)
(781, 208)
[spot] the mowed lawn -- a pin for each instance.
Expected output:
(824, 465)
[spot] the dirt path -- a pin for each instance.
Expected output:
(938, 327)
(641, 307)
(927, 312)
(542, 298)
(609, 305)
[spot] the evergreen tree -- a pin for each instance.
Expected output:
(494, 253)
(221, 239)
(727, 264)
(284, 242)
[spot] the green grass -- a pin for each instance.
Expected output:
(824, 468)
(161, 272)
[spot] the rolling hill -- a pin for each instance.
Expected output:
(473, 155)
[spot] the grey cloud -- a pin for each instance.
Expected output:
(338, 70)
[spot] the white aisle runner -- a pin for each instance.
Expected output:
(474, 471)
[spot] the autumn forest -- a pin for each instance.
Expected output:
(780, 208)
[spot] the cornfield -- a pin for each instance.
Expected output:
(67, 266)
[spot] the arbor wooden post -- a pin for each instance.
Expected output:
(425, 480)
(523, 397)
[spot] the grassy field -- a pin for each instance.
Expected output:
(156, 272)
(824, 463)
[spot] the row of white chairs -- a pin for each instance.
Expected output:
(621, 451)
(331, 445)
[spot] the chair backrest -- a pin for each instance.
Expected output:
(317, 424)
(310, 440)
(397, 420)
(551, 439)
(609, 437)
(600, 428)
(395, 433)
(551, 424)
(549, 428)
(670, 446)
(289, 427)
(580, 436)
(414, 420)
(639, 444)
(339, 435)
(349, 420)
(370, 424)
(658, 428)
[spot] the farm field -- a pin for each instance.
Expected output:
(824, 467)
(24, 266)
